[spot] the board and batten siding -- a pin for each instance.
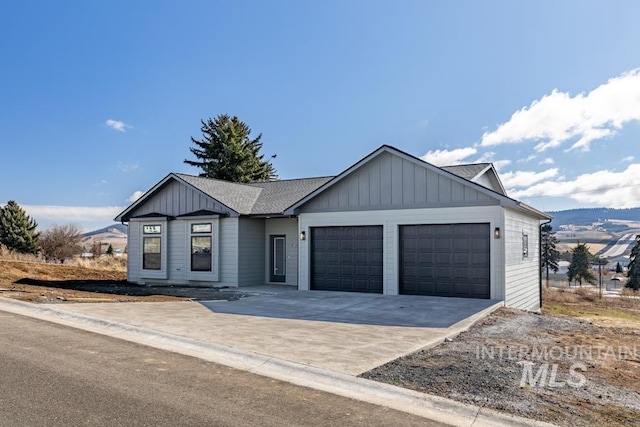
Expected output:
(176, 198)
(134, 252)
(391, 220)
(392, 182)
(287, 227)
(522, 280)
(251, 252)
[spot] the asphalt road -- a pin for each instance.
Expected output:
(51, 375)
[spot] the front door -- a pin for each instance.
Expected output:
(278, 259)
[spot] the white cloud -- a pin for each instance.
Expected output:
(448, 157)
(87, 218)
(117, 125)
(600, 188)
(512, 180)
(527, 159)
(126, 167)
(628, 159)
(558, 117)
(547, 161)
(135, 196)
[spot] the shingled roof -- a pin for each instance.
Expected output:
(273, 197)
(256, 198)
(468, 171)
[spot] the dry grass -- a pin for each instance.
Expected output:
(106, 263)
(585, 302)
(103, 263)
(8, 255)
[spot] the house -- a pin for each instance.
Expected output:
(390, 224)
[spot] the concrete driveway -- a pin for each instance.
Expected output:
(343, 332)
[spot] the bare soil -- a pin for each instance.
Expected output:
(485, 365)
(56, 283)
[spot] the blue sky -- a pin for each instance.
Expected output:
(99, 99)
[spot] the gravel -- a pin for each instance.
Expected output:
(484, 366)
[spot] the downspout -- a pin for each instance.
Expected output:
(540, 259)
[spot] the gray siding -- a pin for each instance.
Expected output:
(228, 252)
(251, 252)
(176, 198)
(391, 182)
(287, 227)
(522, 286)
(134, 252)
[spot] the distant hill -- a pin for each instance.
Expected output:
(588, 216)
(114, 235)
(113, 229)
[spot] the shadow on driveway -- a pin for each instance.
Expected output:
(355, 308)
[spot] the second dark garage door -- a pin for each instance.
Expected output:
(449, 260)
(346, 259)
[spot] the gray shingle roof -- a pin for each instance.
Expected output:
(468, 172)
(256, 198)
(276, 196)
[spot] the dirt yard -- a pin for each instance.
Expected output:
(55, 283)
(576, 364)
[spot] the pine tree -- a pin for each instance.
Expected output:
(619, 268)
(227, 152)
(17, 229)
(633, 272)
(550, 255)
(580, 267)
(109, 250)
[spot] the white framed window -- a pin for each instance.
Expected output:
(525, 245)
(201, 247)
(202, 254)
(153, 249)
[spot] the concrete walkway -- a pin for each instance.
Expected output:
(207, 332)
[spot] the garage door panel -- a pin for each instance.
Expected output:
(355, 262)
(445, 260)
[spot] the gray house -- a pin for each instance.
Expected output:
(390, 224)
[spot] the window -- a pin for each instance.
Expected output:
(201, 244)
(525, 246)
(151, 248)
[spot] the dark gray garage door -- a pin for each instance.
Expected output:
(346, 259)
(449, 260)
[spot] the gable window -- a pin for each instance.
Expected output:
(201, 247)
(525, 246)
(152, 247)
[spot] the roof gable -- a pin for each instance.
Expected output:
(481, 173)
(387, 180)
(405, 181)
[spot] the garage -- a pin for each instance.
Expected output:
(449, 260)
(346, 259)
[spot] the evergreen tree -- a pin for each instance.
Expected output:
(619, 268)
(580, 267)
(109, 250)
(633, 272)
(227, 152)
(550, 255)
(17, 229)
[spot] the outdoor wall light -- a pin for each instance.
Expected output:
(496, 233)
(303, 235)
